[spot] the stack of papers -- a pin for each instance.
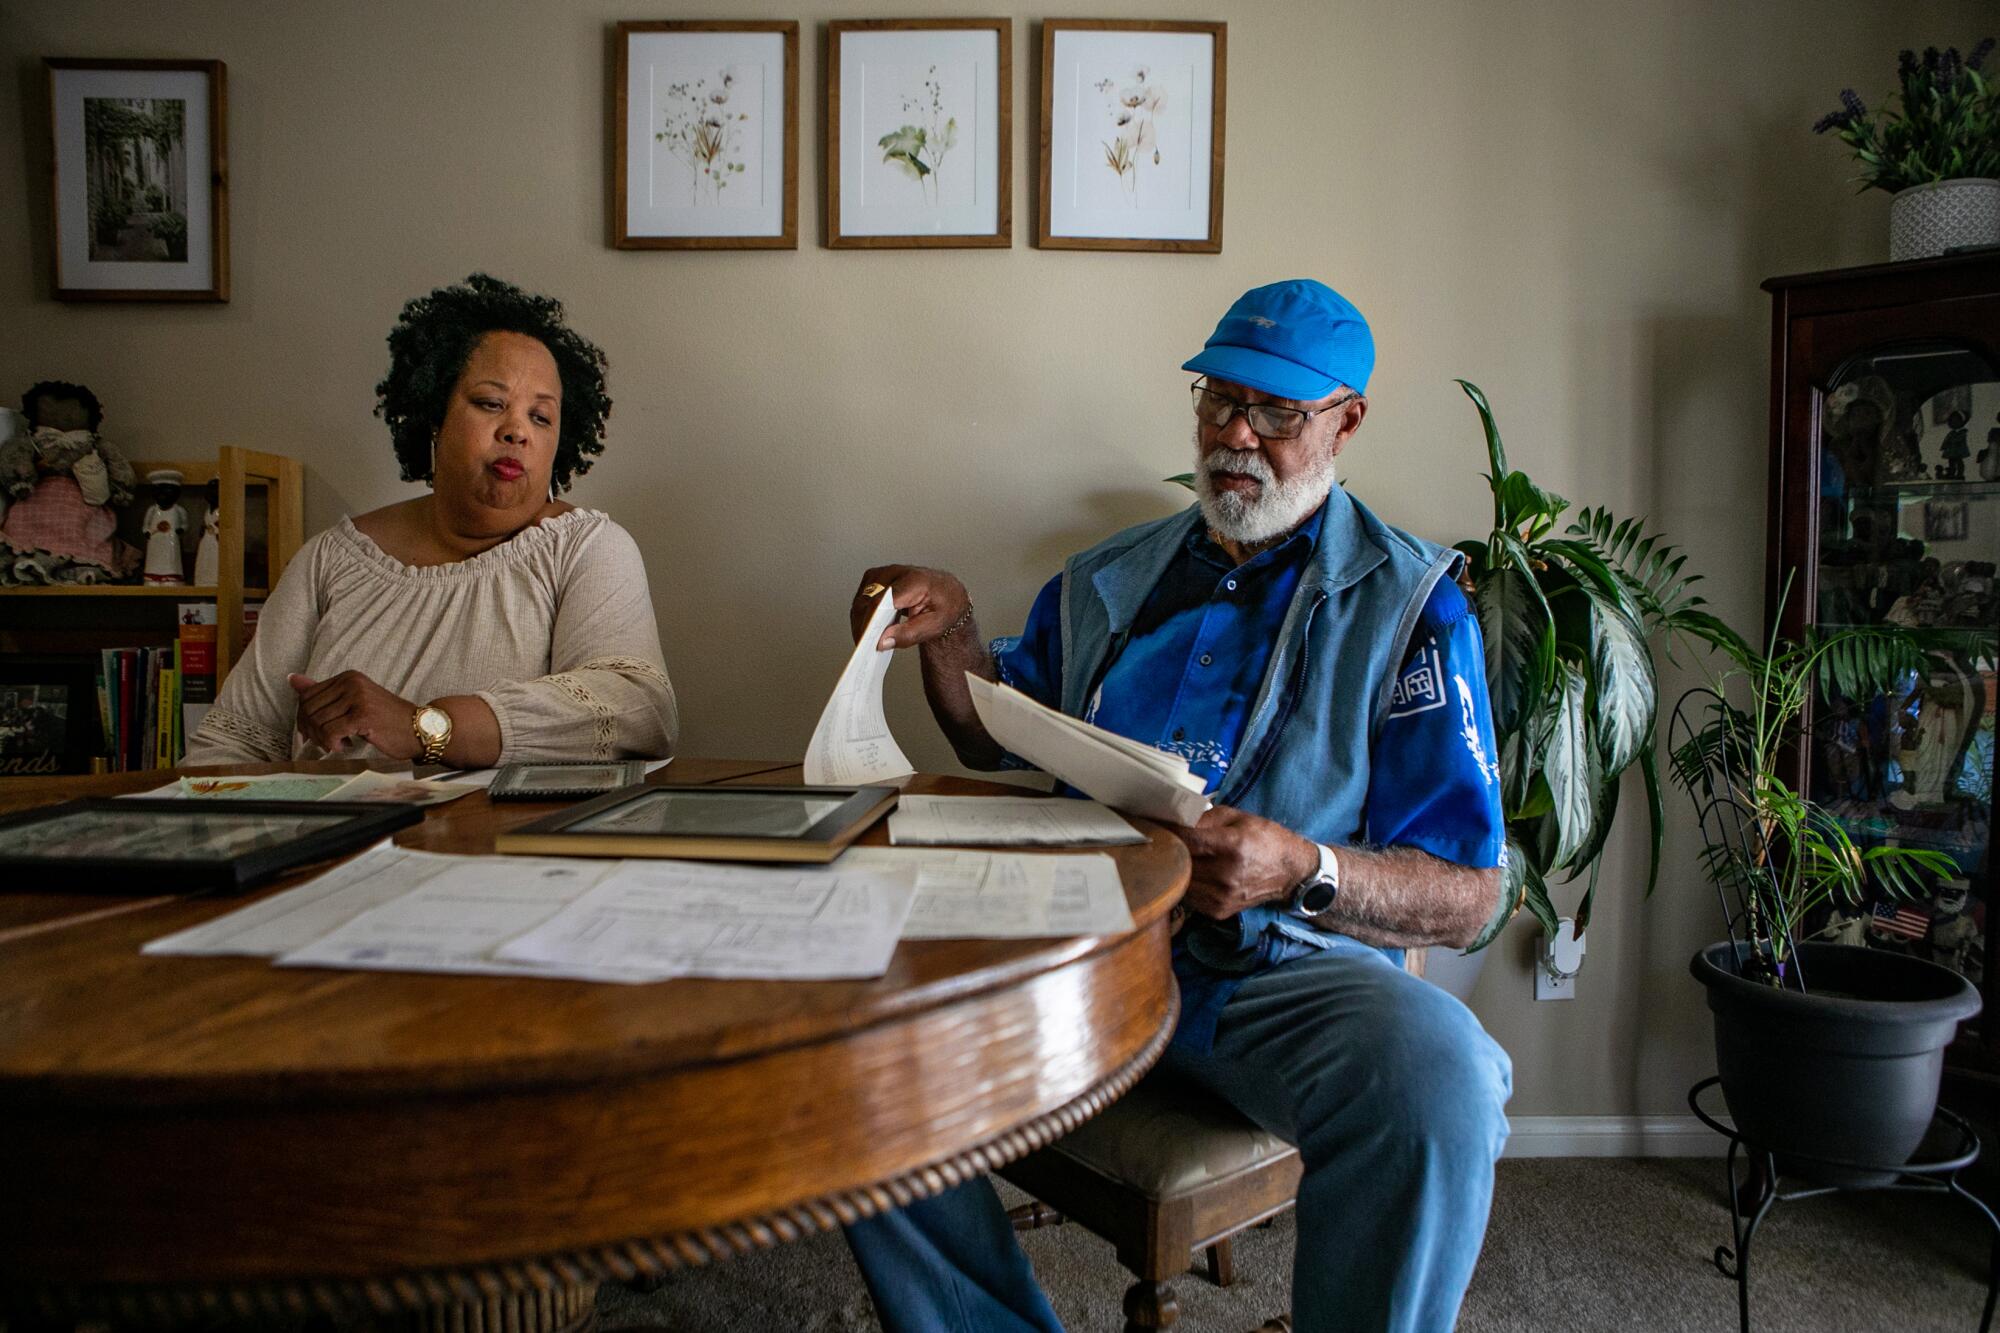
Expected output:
(852, 745)
(1005, 895)
(1103, 765)
(1012, 821)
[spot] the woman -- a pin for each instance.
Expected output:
(487, 621)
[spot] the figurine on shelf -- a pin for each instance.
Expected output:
(1954, 451)
(1956, 938)
(1857, 414)
(165, 521)
(208, 556)
(1989, 457)
(1902, 451)
(65, 482)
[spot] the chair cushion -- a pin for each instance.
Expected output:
(1170, 1135)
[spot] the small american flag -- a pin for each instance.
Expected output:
(1906, 920)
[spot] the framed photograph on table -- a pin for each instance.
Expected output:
(1131, 136)
(702, 823)
(140, 186)
(707, 124)
(919, 133)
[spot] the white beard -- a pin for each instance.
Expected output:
(1277, 507)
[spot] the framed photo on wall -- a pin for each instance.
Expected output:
(919, 133)
(140, 188)
(1131, 136)
(707, 123)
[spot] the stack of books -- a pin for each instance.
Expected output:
(150, 699)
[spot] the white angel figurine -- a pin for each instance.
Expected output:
(208, 555)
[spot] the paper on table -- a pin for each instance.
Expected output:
(852, 743)
(700, 920)
(1005, 895)
(263, 787)
(399, 788)
(298, 916)
(1113, 769)
(1029, 821)
(457, 918)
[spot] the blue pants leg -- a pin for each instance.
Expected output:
(1394, 1095)
(950, 1264)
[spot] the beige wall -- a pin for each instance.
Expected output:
(1569, 203)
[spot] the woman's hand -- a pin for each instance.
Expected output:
(350, 706)
(931, 601)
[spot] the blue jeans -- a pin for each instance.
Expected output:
(1393, 1094)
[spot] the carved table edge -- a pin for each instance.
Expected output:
(619, 1261)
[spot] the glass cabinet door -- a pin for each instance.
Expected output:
(1909, 534)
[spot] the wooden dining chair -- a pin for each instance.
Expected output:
(1167, 1170)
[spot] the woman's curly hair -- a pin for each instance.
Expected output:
(428, 349)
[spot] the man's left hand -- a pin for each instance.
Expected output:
(351, 706)
(1241, 860)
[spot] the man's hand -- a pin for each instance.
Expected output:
(930, 600)
(350, 706)
(1241, 860)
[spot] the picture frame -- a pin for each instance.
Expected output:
(569, 780)
(1130, 145)
(1947, 520)
(49, 721)
(708, 823)
(139, 847)
(679, 153)
(919, 134)
(139, 179)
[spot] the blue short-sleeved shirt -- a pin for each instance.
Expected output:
(1187, 678)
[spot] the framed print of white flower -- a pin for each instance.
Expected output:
(919, 133)
(1132, 144)
(707, 123)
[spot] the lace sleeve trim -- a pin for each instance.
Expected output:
(222, 722)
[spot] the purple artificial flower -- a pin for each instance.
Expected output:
(1906, 65)
(1979, 54)
(1930, 59)
(1832, 120)
(1949, 68)
(1855, 109)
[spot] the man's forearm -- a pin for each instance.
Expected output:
(1399, 897)
(945, 662)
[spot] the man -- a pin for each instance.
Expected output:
(1324, 673)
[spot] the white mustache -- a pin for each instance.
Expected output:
(1243, 463)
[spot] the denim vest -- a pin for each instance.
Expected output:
(1304, 757)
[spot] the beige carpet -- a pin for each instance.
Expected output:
(1575, 1245)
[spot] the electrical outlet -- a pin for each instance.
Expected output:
(1559, 960)
(1548, 987)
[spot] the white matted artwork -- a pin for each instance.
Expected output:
(707, 127)
(919, 133)
(1132, 145)
(140, 197)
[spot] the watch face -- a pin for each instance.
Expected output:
(1316, 897)
(434, 722)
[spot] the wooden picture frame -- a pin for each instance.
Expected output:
(1143, 98)
(868, 205)
(131, 145)
(653, 111)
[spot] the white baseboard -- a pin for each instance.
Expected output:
(1612, 1136)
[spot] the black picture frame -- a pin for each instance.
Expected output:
(50, 722)
(566, 780)
(829, 833)
(337, 827)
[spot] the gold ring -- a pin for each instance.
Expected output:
(873, 589)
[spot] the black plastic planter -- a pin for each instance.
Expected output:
(1847, 1071)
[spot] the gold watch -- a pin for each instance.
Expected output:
(433, 728)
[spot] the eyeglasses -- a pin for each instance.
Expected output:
(1267, 421)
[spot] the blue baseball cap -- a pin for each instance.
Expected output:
(1299, 339)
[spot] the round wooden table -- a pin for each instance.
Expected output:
(184, 1136)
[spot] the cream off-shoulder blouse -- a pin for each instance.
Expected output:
(553, 628)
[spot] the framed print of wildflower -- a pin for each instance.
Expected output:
(140, 188)
(1131, 136)
(919, 133)
(707, 123)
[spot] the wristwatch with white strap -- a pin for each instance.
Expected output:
(1316, 892)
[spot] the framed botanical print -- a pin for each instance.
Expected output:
(1131, 137)
(140, 189)
(919, 133)
(707, 124)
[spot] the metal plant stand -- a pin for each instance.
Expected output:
(1933, 1176)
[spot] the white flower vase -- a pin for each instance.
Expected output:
(1927, 220)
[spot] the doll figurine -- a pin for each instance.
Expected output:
(1955, 450)
(164, 523)
(64, 481)
(208, 556)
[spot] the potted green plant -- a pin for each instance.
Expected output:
(1935, 146)
(1825, 1051)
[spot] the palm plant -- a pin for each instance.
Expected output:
(1569, 621)
(1776, 852)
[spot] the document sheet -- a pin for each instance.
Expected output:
(1107, 767)
(298, 916)
(852, 744)
(1005, 895)
(697, 919)
(1024, 821)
